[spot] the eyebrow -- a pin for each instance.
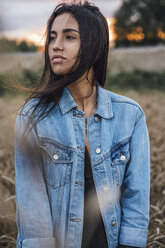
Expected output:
(66, 30)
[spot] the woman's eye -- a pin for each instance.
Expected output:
(52, 38)
(69, 37)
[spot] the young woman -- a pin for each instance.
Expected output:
(81, 151)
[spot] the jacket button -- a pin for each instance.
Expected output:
(105, 189)
(122, 157)
(76, 220)
(96, 119)
(80, 148)
(98, 150)
(114, 223)
(55, 156)
(79, 183)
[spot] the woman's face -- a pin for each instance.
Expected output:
(64, 43)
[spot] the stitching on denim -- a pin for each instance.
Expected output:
(107, 154)
(139, 118)
(59, 204)
(57, 187)
(53, 141)
(126, 101)
(110, 104)
(120, 143)
(57, 161)
(63, 110)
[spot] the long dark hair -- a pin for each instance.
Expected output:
(94, 47)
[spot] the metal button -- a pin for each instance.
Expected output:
(114, 223)
(79, 183)
(122, 157)
(98, 150)
(96, 119)
(105, 189)
(55, 156)
(76, 220)
(80, 148)
(78, 115)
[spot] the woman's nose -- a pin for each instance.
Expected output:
(58, 44)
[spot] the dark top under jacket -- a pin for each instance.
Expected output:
(94, 235)
(93, 229)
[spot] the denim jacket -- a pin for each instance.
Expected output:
(49, 172)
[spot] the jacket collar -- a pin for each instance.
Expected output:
(104, 104)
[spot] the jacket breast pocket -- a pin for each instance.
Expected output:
(120, 156)
(57, 161)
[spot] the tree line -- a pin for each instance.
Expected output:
(7, 45)
(140, 22)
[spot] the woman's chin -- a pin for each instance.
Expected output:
(60, 71)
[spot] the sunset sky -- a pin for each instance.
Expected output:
(27, 18)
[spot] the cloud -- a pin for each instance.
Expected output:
(20, 16)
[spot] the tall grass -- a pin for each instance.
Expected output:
(138, 80)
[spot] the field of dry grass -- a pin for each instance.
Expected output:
(8, 108)
(142, 58)
(153, 105)
(13, 63)
(120, 60)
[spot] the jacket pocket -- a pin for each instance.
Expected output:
(57, 160)
(120, 156)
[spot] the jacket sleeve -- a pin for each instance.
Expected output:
(33, 215)
(136, 189)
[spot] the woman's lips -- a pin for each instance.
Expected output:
(57, 60)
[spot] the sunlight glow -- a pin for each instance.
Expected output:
(137, 35)
(112, 35)
(37, 39)
(161, 34)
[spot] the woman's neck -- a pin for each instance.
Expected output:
(84, 92)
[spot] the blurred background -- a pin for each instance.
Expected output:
(136, 68)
